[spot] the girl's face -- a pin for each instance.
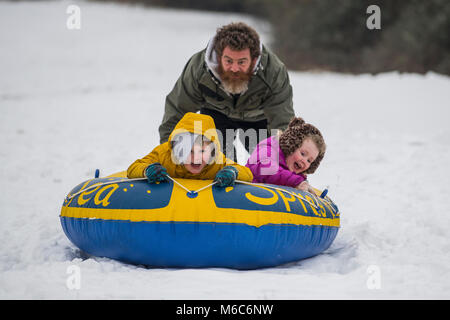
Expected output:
(199, 157)
(300, 160)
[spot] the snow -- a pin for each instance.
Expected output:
(72, 101)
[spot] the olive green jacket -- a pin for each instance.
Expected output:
(269, 94)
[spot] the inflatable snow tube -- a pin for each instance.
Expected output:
(246, 226)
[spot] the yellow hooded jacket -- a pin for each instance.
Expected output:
(194, 123)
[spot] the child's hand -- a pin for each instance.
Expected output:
(156, 172)
(226, 176)
(304, 186)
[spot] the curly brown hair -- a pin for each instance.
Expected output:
(292, 138)
(238, 36)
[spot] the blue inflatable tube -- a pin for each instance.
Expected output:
(247, 226)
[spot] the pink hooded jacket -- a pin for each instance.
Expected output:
(268, 165)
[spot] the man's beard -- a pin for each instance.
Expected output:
(235, 82)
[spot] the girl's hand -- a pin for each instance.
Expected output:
(304, 186)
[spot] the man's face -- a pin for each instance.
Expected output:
(235, 69)
(236, 61)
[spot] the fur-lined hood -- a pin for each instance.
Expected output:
(292, 138)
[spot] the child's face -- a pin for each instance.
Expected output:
(301, 159)
(199, 158)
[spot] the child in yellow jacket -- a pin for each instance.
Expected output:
(192, 152)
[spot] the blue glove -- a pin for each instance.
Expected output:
(156, 172)
(226, 176)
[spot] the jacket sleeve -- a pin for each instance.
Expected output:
(137, 168)
(184, 97)
(278, 176)
(278, 108)
(264, 164)
(244, 173)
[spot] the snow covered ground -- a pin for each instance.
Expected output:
(72, 101)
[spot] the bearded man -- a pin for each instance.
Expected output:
(239, 83)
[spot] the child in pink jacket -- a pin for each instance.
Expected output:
(285, 160)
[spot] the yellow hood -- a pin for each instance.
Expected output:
(194, 123)
(197, 123)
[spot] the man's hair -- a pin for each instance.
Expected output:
(238, 36)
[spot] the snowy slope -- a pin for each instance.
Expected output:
(72, 101)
